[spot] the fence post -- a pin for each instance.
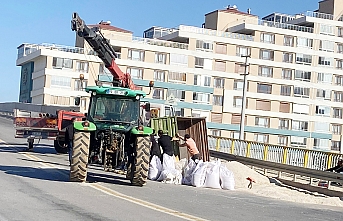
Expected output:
(218, 144)
(329, 161)
(233, 147)
(284, 160)
(248, 149)
(265, 154)
(306, 159)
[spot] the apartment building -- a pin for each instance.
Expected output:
(295, 93)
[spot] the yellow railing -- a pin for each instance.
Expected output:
(301, 157)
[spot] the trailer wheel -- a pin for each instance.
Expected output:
(78, 168)
(140, 166)
(60, 148)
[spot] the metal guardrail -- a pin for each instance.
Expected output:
(322, 175)
(300, 157)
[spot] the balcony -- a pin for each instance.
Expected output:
(26, 49)
(317, 15)
(163, 43)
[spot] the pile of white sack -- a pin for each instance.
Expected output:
(212, 174)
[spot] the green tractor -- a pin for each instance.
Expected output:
(112, 134)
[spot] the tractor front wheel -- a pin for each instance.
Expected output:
(79, 161)
(138, 169)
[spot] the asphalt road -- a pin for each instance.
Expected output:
(34, 186)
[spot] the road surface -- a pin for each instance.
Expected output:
(35, 187)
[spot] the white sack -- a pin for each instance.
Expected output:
(187, 172)
(227, 178)
(199, 174)
(171, 176)
(212, 176)
(155, 168)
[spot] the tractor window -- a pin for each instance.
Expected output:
(114, 109)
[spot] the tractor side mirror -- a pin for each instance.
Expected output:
(147, 107)
(77, 101)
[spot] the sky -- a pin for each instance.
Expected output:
(47, 21)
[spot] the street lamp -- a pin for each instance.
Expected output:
(244, 102)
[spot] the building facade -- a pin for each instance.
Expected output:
(295, 93)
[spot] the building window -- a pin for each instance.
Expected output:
(324, 94)
(60, 100)
(103, 70)
(243, 51)
(301, 108)
(321, 143)
(158, 93)
(159, 76)
(261, 138)
(218, 82)
(267, 38)
(298, 141)
(201, 98)
(174, 111)
(303, 59)
(178, 59)
(339, 64)
(339, 80)
(264, 88)
(288, 41)
(263, 105)
(136, 55)
(204, 45)
(262, 121)
(282, 140)
(304, 42)
(216, 133)
(327, 29)
(60, 63)
(80, 85)
(336, 129)
(216, 117)
(336, 145)
(240, 68)
(337, 112)
(338, 96)
(201, 80)
(160, 58)
(221, 49)
(218, 100)
(286, 90)
(199, 62)
(327, 46)
(340, 32)
(299, 125)
(178, 77)
(283, 124)
(287, 57)
(135, 72)
(220, 66)
(322, 127)
(238, 85)
(325, 61)
(266, 54)
(340, 48)
(302, 75)
(265, 71)
(237, 101)
(324, 78)
(60, 82)
(178, 94)
(285, 107)
(82, 66)
(301, 92)
(323, 110)
(287, 74)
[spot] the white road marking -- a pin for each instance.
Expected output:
(115, 193)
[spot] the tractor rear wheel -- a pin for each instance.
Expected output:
(60, 148)
(79, 161)
(140, 166)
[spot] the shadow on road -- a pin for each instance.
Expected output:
(50, 174)
(107, 178)
(43, 161)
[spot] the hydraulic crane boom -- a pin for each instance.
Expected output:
(104, 50)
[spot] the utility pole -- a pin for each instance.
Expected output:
(244, 101)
